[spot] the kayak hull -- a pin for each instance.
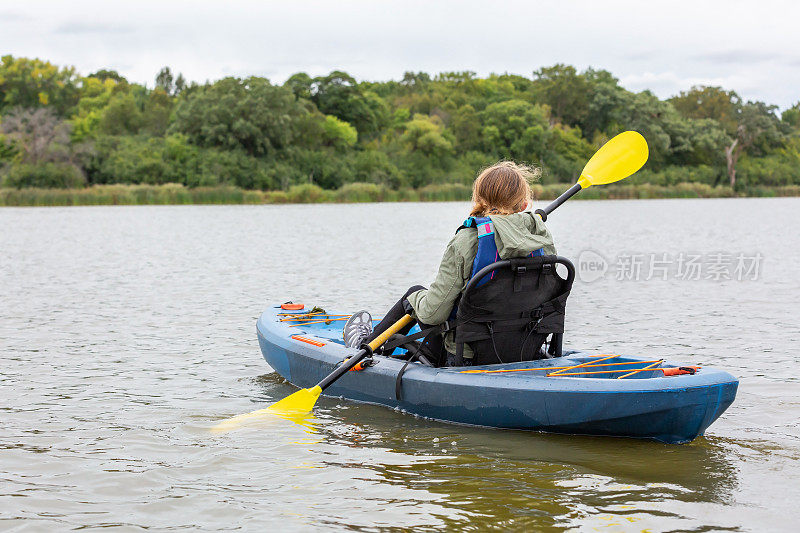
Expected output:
(674, 409)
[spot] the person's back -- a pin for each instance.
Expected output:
(515, 235)
(501, 197)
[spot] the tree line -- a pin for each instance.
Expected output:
(61, 129)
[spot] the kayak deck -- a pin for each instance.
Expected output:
(606, 394)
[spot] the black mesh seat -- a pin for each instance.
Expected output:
(511, 316)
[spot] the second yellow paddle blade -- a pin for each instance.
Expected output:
(297, 404)
(616, 160)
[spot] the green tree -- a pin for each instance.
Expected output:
(415, 81)
(565, 155)
(373, 166)
(426, 135)
(704, 141)
(168, 83)
(711, 103)
(156, 114)
(338, 94)
(565, 91)
(247, 114)
(672, 138)
(338, 133)
(791, 117)
(165, 80)
(122, 115)
(180, 84)
(95, 94)
(105, 74)
(741, 123)
(749, 126)
(605, 98)
(29, 83)
(300, 84)
(466, 125)
(515, 129)
(758, 129)
(321, 167)
(456, 77)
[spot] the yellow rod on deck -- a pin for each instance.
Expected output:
(288, 316)
(548, 368)
(313, 316)
(587, 363)
(651, 367)
(320, 321)
(608, 371)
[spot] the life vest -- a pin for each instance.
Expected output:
(487, 247)
(487, 251)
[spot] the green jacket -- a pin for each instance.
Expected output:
(515, 235)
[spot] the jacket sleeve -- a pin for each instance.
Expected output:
(432, 306)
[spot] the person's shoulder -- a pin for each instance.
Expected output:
(519, 215)
(464, 235)
(463, 242)
(521, 219)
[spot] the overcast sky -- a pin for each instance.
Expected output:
(752, 47)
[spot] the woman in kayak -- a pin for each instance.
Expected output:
(502, 193)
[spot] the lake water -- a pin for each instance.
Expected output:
(126, 332)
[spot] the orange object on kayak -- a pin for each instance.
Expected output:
(366, 363)
(289, 306)
(313, 342)
(680, 370)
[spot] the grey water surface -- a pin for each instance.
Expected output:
(126, 332)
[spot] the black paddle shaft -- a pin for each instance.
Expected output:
(343, 369)
(569, 193)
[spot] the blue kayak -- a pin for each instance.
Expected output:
(577, 393)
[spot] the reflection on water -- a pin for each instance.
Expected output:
(517, 479)
(126, 333)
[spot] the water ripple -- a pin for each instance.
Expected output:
(127, 332)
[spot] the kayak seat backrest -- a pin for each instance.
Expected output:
(510, 317)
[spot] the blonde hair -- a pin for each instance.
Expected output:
(502, 189)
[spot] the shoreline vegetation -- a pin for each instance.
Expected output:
(178, 194)
(71, 138)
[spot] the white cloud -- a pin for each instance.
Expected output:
(83, 28)
(666, 84)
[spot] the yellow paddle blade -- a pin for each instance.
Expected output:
(295, 405)
(301, 401)
(616, 160)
